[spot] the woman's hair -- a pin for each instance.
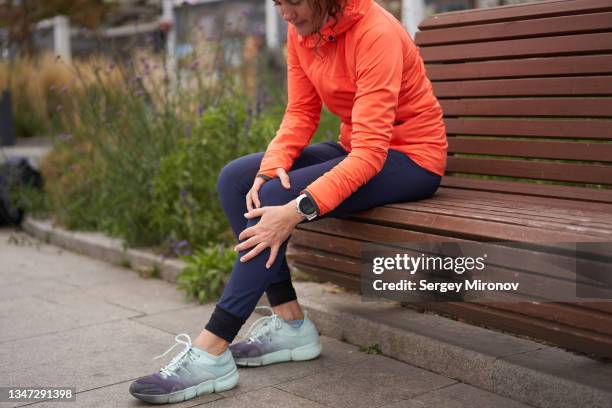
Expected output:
(332, 7)
(334, 10)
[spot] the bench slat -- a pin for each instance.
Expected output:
(530, 148)
(518, 204)
(566, 107)
(501, 217)
(471, 229)
(574, 129)
(573, 24)
(573, 173)
(517, 322)
(567, 196)
(520, 68)
(515, 12)
(531, 47)
(593, 85)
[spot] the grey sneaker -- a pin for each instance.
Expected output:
(191, 373)
(272, 340)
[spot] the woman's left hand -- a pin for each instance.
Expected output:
(274, 227)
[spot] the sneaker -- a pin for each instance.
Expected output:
(191, 373)
(273, 340)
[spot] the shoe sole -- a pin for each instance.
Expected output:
(302, 353)
(227, 382)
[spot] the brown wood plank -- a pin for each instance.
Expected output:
(562, 335)
(336, 227)
(567, 107)
(465, 228)
(503, 219)
(520, 68)
(536, 128)
(543, 285)
(577, 86)
(563, 313)
(543, 216)
(601, 152)
(572, 24)
(522, 48)
(327, 275)
(537, 258)
(566, 196)
(515, 12)
(478, 200)
(594, 174)
(604, 307)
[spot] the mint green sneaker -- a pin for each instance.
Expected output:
(273, 340)
(191, 373)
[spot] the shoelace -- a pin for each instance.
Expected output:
(173, 365)
(264, 325)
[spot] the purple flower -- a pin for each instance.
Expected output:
(72, 167)
(182, 248)
(138, 93)
(59, 108)
(201, 109)
(246, 12)
(52, 88)
(63, 90)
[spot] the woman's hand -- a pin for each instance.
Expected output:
(252, 197)
(274, 227)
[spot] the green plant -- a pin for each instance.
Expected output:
(206, 272)
(373, 349)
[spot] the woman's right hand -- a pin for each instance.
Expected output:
(252, 197)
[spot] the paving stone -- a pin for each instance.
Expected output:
(335, 355)
(117, 395)
(552, 377)
(145, 295)
(264, 398)
(458, 396)
(35, 315)
(85, 358)
(33, 287)
(374, 382)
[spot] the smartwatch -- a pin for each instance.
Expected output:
(306, 206)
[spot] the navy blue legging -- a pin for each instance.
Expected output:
(400, 180)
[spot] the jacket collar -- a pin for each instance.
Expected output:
(353, 12)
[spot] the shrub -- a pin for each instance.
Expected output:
(206, 273)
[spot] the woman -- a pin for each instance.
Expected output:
(357, 59)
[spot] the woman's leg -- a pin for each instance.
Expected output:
(399, 180)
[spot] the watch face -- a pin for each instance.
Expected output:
(307, 206)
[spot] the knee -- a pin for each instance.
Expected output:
(231, 173)
(273, 193)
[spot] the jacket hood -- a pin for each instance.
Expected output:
(354, 11)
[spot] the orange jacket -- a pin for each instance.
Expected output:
(368, 71)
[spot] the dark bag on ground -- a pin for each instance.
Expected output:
(15, 172)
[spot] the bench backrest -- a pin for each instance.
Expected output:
(527, 94)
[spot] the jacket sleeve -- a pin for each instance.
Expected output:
(379, 65)
(301, 117)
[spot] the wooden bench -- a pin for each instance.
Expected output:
(527, 98)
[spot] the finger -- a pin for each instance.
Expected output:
(254, 252)
(256, 199)
(272, 258)
(251, 242)
(248, 202)
(284, 178)
(247, 233)
(254, 213)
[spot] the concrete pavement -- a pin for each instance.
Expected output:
(69, 320)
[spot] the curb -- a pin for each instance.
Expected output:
(520, 369)
(100, 246)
